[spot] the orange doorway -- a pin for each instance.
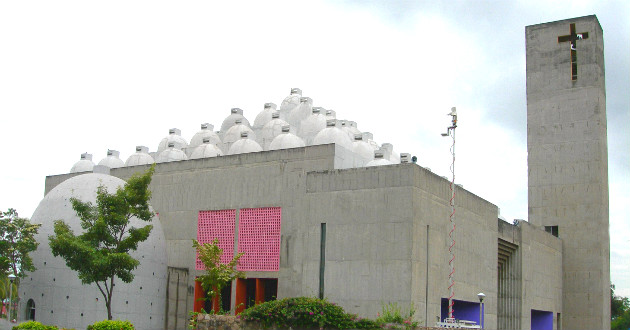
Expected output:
(252, 291)
(201, 301)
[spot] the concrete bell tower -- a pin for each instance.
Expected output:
(568, 160)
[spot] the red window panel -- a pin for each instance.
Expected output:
(217, 224)
(259, 238)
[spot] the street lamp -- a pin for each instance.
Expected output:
(11, 279)
(480, 295)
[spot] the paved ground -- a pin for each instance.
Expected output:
(5, 325)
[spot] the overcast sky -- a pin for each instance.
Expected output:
(84, 76)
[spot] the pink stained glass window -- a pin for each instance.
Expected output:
(217, 224)
(259, 238)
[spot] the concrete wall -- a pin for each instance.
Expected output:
(369, 236)
(475, 248)
(567, 159)
(541, 255)
(387, 228)
(531, 277)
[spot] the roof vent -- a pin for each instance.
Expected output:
(207, 126)
(275, 115)
(87, 156)
(343, 122)
(405, 158)
(142, 149)
(352, 124)
(296, 91)
(171, 144)
(331, 123)
(331, 113)
(305, 99)
(114, 153)
(358, 137)
(237, 110)
(244, 135)
(286, 128)
(206, 140)
(238, 121)
(270, 105)
(174, 131)
(378, 154)
(317, 110)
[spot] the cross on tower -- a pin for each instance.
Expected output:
(573, 38)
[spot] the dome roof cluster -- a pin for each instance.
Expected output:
(296, 123)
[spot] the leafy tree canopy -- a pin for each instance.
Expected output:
(218, 275)
(101, 252)
(17, 240)
(619, 311)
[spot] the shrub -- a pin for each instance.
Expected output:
(111, 325)
(33, 325)
(393, 314)
(304, 312)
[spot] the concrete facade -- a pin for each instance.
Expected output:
(387, 232)
(568, 160)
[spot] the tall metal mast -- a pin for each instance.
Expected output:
(451, 249)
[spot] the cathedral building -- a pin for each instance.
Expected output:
(321, 209)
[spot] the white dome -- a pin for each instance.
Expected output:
(363, 149)
(230, 120)
(290, 102)
(83, 165)
(312, 125)
(141, 157)
(206, 150)
(174, 137)
(369, 138)
(269, 132)
(301, 112)
(234, 134)
(394, 158)
(206, 132)
(244, 146)
(59, 296)
(171, 155)
(333, 135)
(346, 125)
(264, 116)
(378, 162)
(112, 160)
(286, 141)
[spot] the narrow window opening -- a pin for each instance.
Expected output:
(553, 230)
(30, 310)
(322, 259)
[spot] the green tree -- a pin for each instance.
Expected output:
(6, 287)
(619, 311)
(218, 275)
(101, 252)
(618, 305)
(17, 240)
